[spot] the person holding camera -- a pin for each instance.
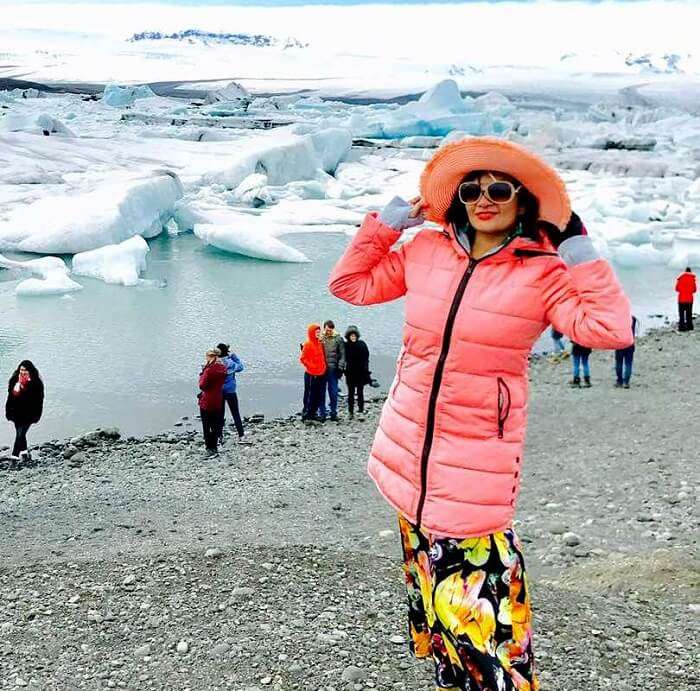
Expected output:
(211, 399)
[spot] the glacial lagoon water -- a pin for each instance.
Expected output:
(129, 357)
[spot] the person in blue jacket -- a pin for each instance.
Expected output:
(233, 366)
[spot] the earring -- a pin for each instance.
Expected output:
(519, 227)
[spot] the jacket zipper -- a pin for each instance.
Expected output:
(439, 370)
(437, 381)
(503, 405)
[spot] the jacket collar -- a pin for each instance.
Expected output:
(507, 252)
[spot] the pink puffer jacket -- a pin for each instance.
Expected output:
(449, 446)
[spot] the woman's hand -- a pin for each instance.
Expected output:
(573, 228)
(418, 204)
(400, 214)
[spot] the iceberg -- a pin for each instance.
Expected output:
(633, 256)
(109, 214)
(121, 96)
(50, 276)
(41, 123)
(685, 251)
(250, 236)
(118, 264)
(439, 111)
(285, 157)
(232, 93)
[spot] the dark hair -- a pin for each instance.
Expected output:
(222, 348)
(29, 366)
(457, 213)
(328, 322)
(352, 330)
(689, 270)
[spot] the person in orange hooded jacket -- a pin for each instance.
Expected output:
(313, 359)
(686, 287)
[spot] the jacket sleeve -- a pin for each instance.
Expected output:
(586, 302)
(342, 363)
(678, 284)
(365, 357)
(304, 357)
(204, 378)
(39, 410)
(238, 365)
(370, 272)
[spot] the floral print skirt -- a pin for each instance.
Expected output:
(469, 609)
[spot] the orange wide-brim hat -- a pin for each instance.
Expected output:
(447, 168)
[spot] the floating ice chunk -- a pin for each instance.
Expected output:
(419, 142)
(284, 157)
(439, 110)
(33, 123)
(632, 256)
(231, 93)
(120, 96)
(250, 237)
(331, 145)
(494, 103)
(119, 264)
(50, 276)
(685, 251)
(253, 191)
(112, 213)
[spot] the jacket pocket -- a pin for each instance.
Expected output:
(503, 405)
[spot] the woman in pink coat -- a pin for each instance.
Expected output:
(507, 260)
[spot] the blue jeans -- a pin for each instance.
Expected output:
(623, 359)
(332, 386)
(578, 361)
(558, 345)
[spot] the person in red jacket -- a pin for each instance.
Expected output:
(313, 358)
(211, 399)
(686, 287)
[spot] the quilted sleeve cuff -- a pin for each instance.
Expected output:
(578, 250)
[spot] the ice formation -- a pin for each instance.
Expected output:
(50, 276)
(32, 123)
(284, 157)
(120, 264)
(685, 252)
(250, 236)
(439, 111)
(120, 96)
(108, 214)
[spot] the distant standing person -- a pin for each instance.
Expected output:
(686, 287)
(334, 347)
(313, 359)
(623, 361)
(211, 399)
(557, 340)
(25, 404)
(580, 355)
(233, 366)
(356, 369)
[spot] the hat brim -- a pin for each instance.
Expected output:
(446, 169)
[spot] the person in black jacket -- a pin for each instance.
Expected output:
(25, 404)
(357, 373)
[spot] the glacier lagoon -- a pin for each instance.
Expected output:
(80, 175)
(129, 357)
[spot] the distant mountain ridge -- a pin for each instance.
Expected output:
(218, 38)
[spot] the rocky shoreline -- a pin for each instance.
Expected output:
(139, 564)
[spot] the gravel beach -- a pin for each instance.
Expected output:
(140, 564)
